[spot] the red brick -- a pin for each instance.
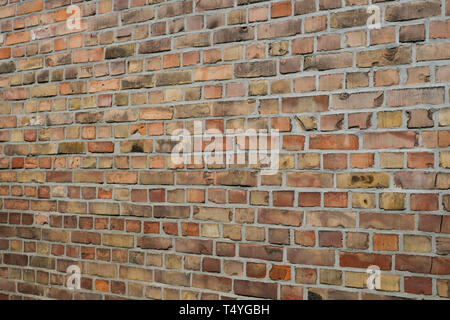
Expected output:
(418, 285)
(424, 202)
(334, 142)
(364, 260)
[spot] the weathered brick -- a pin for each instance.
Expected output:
(236, 178)
(159, 243)
(348, 19)
(205, 281)
(172, 277)
(7, 67)
(255, 69)
(203, 5)
(103, 208)
(121, 51)
(234, 34)
(363, 180)
(305, 104)
(234, 108)
(328, 61)
(193, 111)
(103, 85)
(330, 219)
(173, 78)
(71, 147)
(157, 178)
(138, 15)
(387, 221)
(30, 64)
(392, 201)
(262, 252)
(152, 46)
(174, 9)
(210, 213)
(69, 88)
(413, 10)
(137, 82)
(171, 212)
(279, 29)
(192, 41)
(415, 180)
(85, 237)
(283, 217)
(255, 289)
(193, 246)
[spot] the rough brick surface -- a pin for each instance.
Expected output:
(87, 177)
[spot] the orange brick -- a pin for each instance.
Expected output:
(281, 9)
(385, 242)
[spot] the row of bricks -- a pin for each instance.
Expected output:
(412, 243)
(416, 118)
(427, 222)
(243, 178)
(113, 289)
(340, 19)
(331, 161)
(297, 46)
(289, 142)
(326, 82)
(277, 198)
(414, 263)
(167, 8)
(375, 241)
(390, 282)
(224, 72)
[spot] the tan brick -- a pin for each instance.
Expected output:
(330, 219)
(103, 208)
(210, 230)
(444, 117)
(45, 90)
(71, 147)
(118, 240)
(30, 64)
(392, 201)
(363, 180)
(356, 279)
(384, 57)
(135, 273)
(444, 159)
(391, 160)
(389, 282)
(416, 243)
(331, 277)
(173, 78)
(214, 214)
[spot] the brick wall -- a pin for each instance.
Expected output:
(87, 116)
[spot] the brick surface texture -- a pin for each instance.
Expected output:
(86, 120)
